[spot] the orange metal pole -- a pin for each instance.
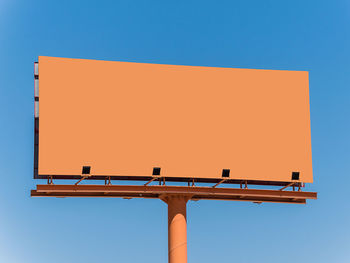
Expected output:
(177, 232)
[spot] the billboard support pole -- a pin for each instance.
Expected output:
(177, 227)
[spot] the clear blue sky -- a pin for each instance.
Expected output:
(290, 35)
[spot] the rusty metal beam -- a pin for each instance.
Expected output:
(34, 193)
(197, 193)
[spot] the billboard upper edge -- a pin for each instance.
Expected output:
(172, 65)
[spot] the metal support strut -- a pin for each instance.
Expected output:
(290, 184)
(81, 179)
(223, 180)
(49, 180)
(150, 181)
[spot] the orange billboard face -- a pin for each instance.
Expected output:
(133, 120)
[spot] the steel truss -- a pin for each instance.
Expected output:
(159, 191)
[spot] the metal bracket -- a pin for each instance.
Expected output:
(81, 179)
(190, 182)
(50, 179)
(108, 181)
(245, 185)
(284, 187)
(223, 180)
(150, 181)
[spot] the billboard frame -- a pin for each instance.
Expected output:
(36, 174)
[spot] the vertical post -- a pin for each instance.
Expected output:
(177, 228)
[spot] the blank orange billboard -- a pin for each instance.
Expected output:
(137, 120)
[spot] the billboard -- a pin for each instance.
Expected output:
(138, 120)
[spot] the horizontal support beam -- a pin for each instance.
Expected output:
(197, 193)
